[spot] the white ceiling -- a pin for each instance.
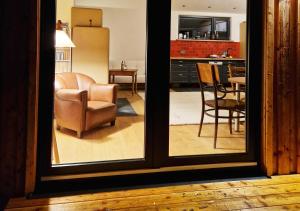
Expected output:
(222, 6)
(111, 3)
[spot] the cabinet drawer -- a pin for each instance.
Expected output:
(178, 67)
(179, 77)
(194, 78)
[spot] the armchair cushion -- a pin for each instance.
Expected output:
(101, 92)
(99, 112)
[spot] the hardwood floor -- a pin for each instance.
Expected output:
(126, 139)
(278, 193)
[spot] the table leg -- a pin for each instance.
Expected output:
(238, 98)
(135, 83)
(132, 84)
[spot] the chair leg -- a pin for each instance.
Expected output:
(230, 121)
(201, 121)
(233, 88)
(113, 123)
(79, 134)
(216, 127)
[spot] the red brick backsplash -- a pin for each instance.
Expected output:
(202, 49)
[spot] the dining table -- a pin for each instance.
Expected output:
(238, 81)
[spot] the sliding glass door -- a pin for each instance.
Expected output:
(123, 86)
(93, 57)
(212, 83)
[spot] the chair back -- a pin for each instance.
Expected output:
(235, 71)
(69, 80)
(208, 75)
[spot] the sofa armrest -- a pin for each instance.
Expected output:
(72, 95)
(104, 92)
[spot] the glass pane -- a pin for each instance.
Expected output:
(203, 76)
(99, 81)
(191, 27)
(222, 28)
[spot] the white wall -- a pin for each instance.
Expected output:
(236, 19)
(127, 33)
(63, 10)
(111, 3)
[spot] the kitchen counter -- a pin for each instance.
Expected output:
(210, 59)
(183, 70)
(199, 40)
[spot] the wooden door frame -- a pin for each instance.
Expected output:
(281, 117)
(268, 140)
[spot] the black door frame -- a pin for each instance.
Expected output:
(157, 118)
(254, 96)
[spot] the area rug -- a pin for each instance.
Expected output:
(185, 108)
(124, 108)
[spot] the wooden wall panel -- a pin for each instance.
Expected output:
(281, 87)
(268, 144)
(17, 35)
(32, 109)
(298, 89)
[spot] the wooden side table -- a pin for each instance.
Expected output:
(127, 72)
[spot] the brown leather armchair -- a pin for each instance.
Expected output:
(80, 104)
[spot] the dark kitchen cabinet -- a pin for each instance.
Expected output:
(204, 28)
(183, 71)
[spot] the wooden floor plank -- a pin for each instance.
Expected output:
(20, 202)
(254, 202)
(112, 143)
(235, 195)
(290, 207)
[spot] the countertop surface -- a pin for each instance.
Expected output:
(199, 40)
(210, 59)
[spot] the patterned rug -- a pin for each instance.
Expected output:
(124, 108)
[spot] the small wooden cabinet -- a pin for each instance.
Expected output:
(86, 17)
(184, 70)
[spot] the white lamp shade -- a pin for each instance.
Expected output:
(62, 40)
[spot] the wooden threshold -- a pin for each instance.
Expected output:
(142, 171)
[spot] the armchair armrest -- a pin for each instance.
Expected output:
(104, 92)
(74, 95)
(70, 108)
